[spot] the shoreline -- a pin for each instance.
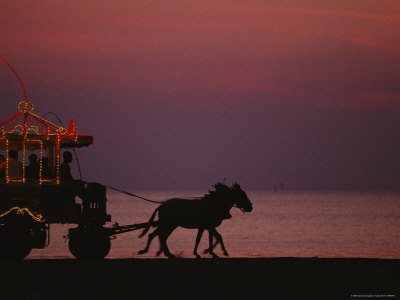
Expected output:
(225, 278)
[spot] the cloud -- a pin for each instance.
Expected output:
(308, 10)
(377, 100)
(389, 47)
(265, 89)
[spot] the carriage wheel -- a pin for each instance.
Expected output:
(15, 242)
(89, 243)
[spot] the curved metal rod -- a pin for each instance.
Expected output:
(19, 79)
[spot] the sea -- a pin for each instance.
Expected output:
(282, 224)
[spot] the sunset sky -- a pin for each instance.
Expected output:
(182, 94)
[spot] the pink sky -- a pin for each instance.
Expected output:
(173, 76)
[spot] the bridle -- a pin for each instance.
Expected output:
(242, 209)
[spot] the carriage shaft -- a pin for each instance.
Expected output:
(127, 228)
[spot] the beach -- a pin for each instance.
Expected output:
(292, 246)
(225, 278)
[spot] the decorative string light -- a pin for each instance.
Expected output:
(58, 159)
(23, 162)
(7, 151)
(14, 179)
(25, 106)
(34, 129)
(21, 211)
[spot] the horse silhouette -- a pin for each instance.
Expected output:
(204, 213)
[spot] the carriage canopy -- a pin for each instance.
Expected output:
(27, 132)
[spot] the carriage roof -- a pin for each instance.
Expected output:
(26, 129)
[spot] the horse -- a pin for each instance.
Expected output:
(203, 213)
(212, 232)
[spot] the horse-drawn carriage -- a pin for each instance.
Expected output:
(29, 205)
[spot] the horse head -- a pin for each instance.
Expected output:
(231, 196)
(240, 198)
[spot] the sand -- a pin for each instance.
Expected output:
(227, 278)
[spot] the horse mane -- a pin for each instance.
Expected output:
(219, 189)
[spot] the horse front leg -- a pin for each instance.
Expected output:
(198, 238)
(210, 246)
(218, 237)
(211, 233)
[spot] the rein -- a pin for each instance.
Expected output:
(152, 201)
(133, 195)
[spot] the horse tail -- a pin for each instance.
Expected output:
(150, 223)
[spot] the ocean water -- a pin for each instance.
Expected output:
(282, 224)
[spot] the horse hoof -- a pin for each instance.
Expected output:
(206, 251)
(214, 255)
(142, 251)
(226, 253)
(171, 256)
(197, 256)
(158, 253)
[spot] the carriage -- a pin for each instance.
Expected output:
(28, 206)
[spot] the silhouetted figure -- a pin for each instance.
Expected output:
(65, 169)
(14, 165)
(205, 213)
(74, 187)
(32, 170)
(47, 172)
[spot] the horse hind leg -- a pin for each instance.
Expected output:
(163, 236)
(150, 238)
(160, 250)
